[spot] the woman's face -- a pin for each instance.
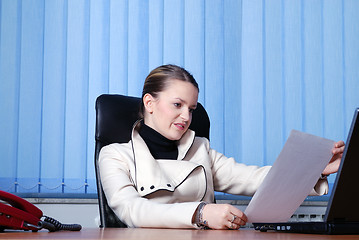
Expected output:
(170, 113)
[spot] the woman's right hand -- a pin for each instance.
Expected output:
(223, 216)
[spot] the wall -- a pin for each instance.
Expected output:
(73, 212)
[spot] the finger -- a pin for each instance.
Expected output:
(242, 222)
(232, 226)
(244, 218)
(339, 144)
(240, 215)
(338, 150)
(234, 217)
(331, 168)
(238, 220)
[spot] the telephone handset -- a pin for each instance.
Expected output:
(22, 215)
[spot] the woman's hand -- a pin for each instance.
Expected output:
(223, 216)
(334, 163)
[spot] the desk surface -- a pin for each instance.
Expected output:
(164, 234)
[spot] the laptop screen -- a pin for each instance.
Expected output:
(343, 204)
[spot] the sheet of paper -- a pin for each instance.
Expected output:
(291, 178)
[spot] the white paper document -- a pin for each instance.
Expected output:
(291, 178)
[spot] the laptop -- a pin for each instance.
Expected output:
(342, 214)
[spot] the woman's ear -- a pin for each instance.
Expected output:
(148, 102)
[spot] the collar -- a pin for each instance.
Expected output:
(184, 143)
(159, 146)
(150, 174)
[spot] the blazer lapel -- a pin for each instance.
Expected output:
(152, 175)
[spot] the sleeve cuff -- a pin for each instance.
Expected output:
(321, 188)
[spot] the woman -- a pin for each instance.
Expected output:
(165, 176)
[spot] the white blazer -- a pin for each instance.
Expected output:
(145, 192)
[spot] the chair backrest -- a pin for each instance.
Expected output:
(115, 116)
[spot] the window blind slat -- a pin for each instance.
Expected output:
(293, 105)
(173, 33)
(53, 102)
(194, 53)
(313, 78)
(273, 90)
(10, 20)
(232, 79)
(76, 109)
(137, 46)
(155, 34)
(118, 47)
(350, 61)
(333, 69)
(252, 83)
(98, 82)
(214, 70)
(30, 96)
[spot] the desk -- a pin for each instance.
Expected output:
(165, 234)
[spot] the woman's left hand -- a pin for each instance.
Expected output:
(334, 163)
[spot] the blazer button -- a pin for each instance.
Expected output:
(142, 188)
(168, 185)
(152, 187)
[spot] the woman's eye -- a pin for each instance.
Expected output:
(191, 110)
(177, 104)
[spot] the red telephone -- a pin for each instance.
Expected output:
(22, 215)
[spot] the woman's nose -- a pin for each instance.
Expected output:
(186, 115)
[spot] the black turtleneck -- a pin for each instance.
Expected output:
(159, 146)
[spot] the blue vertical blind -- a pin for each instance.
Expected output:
(264, 68)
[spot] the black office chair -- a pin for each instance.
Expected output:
(115, 116)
